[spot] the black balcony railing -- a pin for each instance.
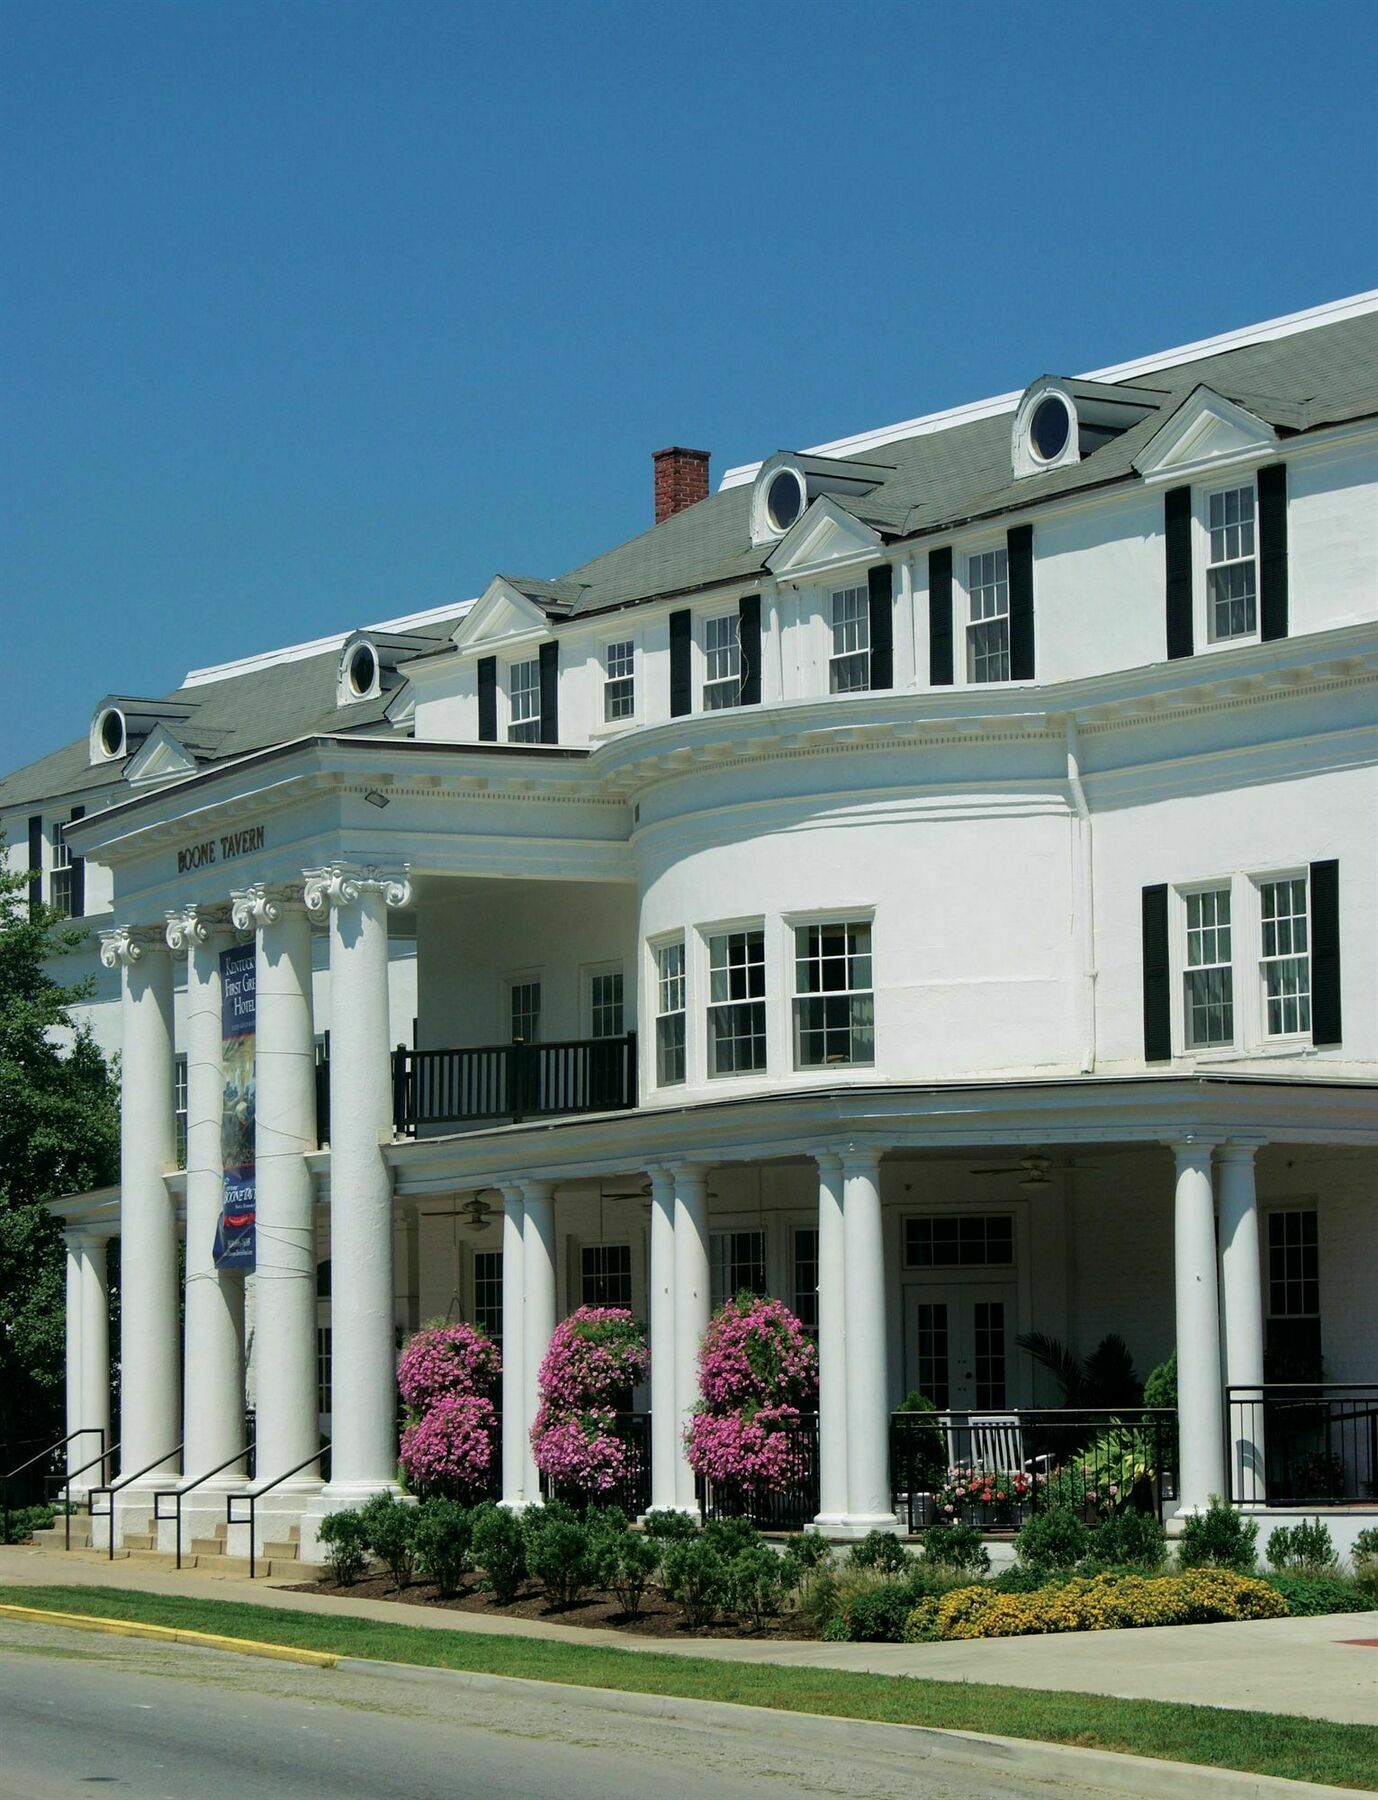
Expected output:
(512, 1081)
(1092, 1462)
(786, 1504)
(1312, 1445)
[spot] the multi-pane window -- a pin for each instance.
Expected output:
(619, 680)
(605, 1275)
(1293, 1330)
(806, 1278)
(722, 654)
(488, 1292)
(323, 1368)
(850, 665)
(988, 1347)
(988, 617)
(736, 1264)
(1231, 571)
(1286, 962)
(179, 1107)
(60, 883)
(736, 1002)
(1209, 999)
(834, 1007)
(605, 1003)
(670, 999)
(959, 1241)
(933, 1367)
(525, 998)
(524, 703)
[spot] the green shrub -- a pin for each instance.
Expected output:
(345, 1537)
(729, 1537)
(816, 1599)
(668, 1527)
(1097, 1603)
(1366, 1543)
(1219, 1538)
(956, 1546)
(625, 1566)
(695, 1575)
(1055, 1539)
(870, 1610)
(922, 1448)
(805, 1553)
(605, 1522)
(879, 1550)
(1160, 1389)
(1364, 1559)
(560, 1556)
(1129, 1539)
(441, 1542)
(390, 1525)
(499, 1550)
(756, 1584)
(1021, 1580)
(24, 1521)
(1308, 1596)
(1308, 1549)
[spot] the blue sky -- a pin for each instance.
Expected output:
(320, 313)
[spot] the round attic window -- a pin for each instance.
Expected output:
(785, 499)
(363, 669)
(1049, 428)
(110, 732)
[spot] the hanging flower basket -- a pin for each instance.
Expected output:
(596, 1357)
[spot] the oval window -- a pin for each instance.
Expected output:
(1049, 428)
(363, 666)
(785, 499)
(112, 732)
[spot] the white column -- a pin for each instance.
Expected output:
(150, 1355)
(869, 1501)
(514, 1437)
(538, 1272)
(1199, 1418)
(363, 1361)
(832, 1344)
(213, 1303)
(95, 1351)
(692, 1294)
(79, 1449)
(1241, 1306)
(667, 1452)
(286, 1424)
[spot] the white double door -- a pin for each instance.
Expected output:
(959, 1343)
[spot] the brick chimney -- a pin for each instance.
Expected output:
(681, 479)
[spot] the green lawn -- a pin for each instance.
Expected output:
(1261, 1743)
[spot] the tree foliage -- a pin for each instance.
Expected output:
(59, 1134)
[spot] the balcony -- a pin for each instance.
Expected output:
(506, 1083)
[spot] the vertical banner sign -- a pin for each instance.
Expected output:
(234, 1237)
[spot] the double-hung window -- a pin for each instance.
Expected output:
(1292, 1331)
(1231, 563)
(619, 680)
(488, 1292)
(605, 1003)
(736, 1002)
(1209, 998)
(524, 702)
(1286, 960)
(179, 1107)
(722, 662)
(60, 882)
(988, 616)
(834, 1005)
(736, 1265)
(806, 1277)
(670, 998)
(524, 1001)
(849, 668)
(605, 1275)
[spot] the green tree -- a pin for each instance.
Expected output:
(59, 1134)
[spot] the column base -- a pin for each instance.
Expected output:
(857, 1525)
(832, 1523)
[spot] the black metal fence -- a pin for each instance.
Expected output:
(1311, 1445)
(512, 1081)
(633, 1491)
(787, 1504)
(996, 1469)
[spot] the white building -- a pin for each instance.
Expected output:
(931, 879)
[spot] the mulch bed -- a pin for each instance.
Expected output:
(660, 1617)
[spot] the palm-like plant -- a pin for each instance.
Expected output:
(1103, 1381)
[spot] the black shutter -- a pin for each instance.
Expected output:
(881, 583)
(78, 873)
(1157, 978)
(1272, 546)
(681, 670)
(1019, 556)
(1177, 543)
(749, 637)
(550, 693)
(940, 617)
(1325, 953)
(488, 699)
(35, 863)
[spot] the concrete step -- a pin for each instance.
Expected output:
(55, 1537)
(160, 1559)
(282, 1550)
(139, 1540)
(207, 1546)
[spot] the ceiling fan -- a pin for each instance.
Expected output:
(1035, 1168)
(476, 1211)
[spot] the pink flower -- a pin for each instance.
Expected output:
(447, 1359)
(596, 1356)
(452, 1442)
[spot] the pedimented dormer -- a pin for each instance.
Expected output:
(503, 618)
(1206, 432)
(825, 536)
(161, 757)
(121, 724)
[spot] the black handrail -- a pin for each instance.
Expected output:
(43, 1455)
(104, 1457)
(512, 1081)
(112, 1488)
(176, 1494)
(254, 1495)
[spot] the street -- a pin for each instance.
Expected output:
(168, 1721)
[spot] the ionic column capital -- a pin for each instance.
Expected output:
(263, 904)
(124, 945)
(829, 1159)
(195, 926)
(344, 884)
(1193, 1146)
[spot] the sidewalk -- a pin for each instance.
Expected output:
(1307, 1666)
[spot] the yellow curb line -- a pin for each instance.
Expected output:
(170, 1634)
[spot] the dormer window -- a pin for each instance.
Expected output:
(788, 483)
(1050, 428)
(785, 499)
(363, 670)
(109, 734)
(1062, 420)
